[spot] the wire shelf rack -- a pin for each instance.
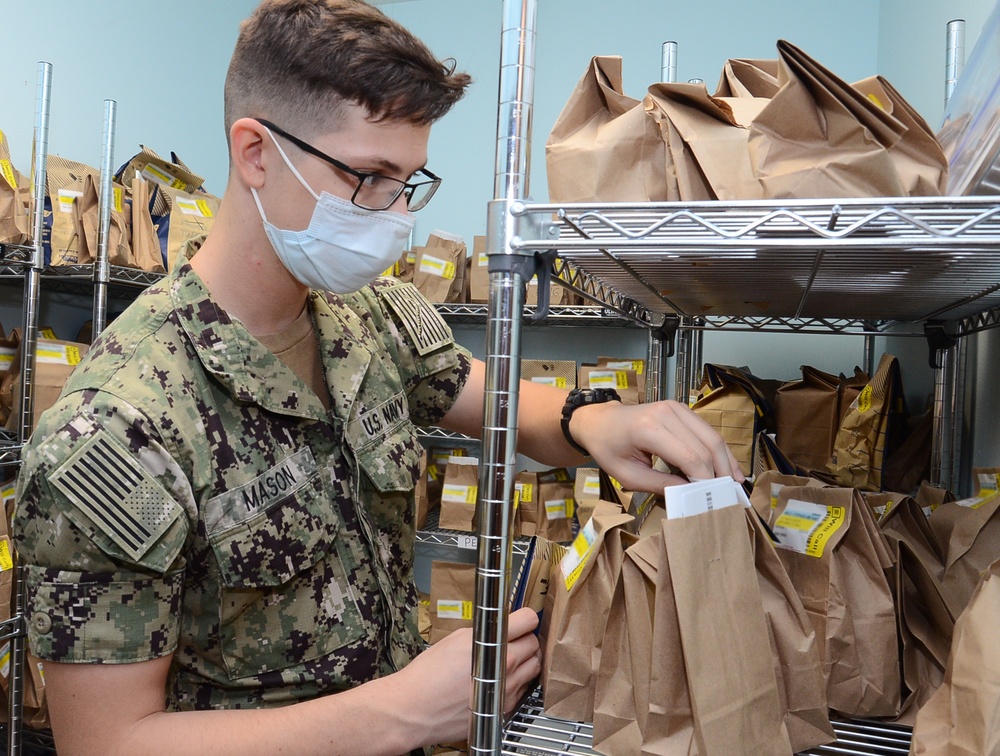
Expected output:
(559, 315)
(434, 535)
(877, 262)
(10, 448)
(531, 733)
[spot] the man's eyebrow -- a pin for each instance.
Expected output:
(389, 166)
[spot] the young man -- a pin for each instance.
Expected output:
(217, 516)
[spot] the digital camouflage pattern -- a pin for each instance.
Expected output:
(189, 494)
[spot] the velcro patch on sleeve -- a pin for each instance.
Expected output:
(117, 494)
(422, 322)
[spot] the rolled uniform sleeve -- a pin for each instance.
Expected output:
(100, 527)
(434, 368)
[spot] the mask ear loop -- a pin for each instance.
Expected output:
(291, 167)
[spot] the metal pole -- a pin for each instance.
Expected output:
(682, 363)
(102, 270)
(503, 372)
(956, 389)
(29, 345)
(869, 355)
(940, 442)
(668, 62)
(655, 367)
(954, 56)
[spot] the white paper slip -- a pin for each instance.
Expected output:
(699, 497)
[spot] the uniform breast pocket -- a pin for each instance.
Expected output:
(392, 461)
(284, 595)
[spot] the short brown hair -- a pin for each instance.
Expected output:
(298, 61)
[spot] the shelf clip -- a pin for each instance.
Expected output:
(508, 221)
(666, 332)
(938, 340)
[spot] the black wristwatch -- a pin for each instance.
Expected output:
(580, 398)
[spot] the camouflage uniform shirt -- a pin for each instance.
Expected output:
(188, 494)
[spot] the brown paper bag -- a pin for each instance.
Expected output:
(836, 558)
(860, 445)
(526, 491)
(639, 705)
(453, 595)
(807, 418)
(558, 373)
(55, 360)
(190, 215)
(797, 664)
(451, 248)
(459, 495)
(15, 223)
(963, 716)
(926, 627)
(576, 608)
(145, 243)
(931, 497)
(625, 382)
(727, 657)
(767, 486)
(435, 271)
(628, 363)
(64, 181)
(706, 141)
(87, 210)
(162, 172)
(745, 78)
(603, 146)
(968, 532)
(917, 156)
(539, 571)
(555, 505)
(586, 492)
(820, 137)
(731, 403)
(479, 272)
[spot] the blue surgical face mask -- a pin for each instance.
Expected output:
(344, 247)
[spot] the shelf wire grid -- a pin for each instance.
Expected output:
(873, 261)
(531, 733)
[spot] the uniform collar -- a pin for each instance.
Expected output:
(250, 372)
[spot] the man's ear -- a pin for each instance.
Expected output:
(246, 137)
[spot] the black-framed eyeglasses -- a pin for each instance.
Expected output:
(374, 191)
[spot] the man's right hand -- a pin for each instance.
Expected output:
(440, 678)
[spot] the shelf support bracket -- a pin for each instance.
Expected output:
(938, 340)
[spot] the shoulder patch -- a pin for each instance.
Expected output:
(120, 496)
(418, 316)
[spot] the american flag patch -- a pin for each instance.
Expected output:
(418, 316)
(121, 498)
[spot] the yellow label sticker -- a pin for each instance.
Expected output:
(876, 100)
(459, 494)
(614, 481)
(5, 660)
(66, 199)
(47, 333)
(517, 498)
(775, 490)
(592, 485)
(8, 173)
(117, 199)
(391, 271)
(636, 365)
(58, 354)
(601, 379)
(162, 176)
(806, 528)
(483, 260)
(576, 556)
(975, 502)
(206, 211)
(558, 509)
(865, 399)
(6, 561)
(454, 609)
(524, 491)
(550, 380)
(6, 359)
(435, 266)
(562, 474)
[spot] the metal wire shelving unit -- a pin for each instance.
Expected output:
(871, 267)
